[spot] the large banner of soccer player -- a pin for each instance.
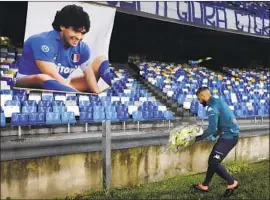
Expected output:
(66, 47)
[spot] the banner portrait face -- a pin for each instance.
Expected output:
(40, 16)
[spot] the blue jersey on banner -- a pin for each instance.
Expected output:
(48, 47)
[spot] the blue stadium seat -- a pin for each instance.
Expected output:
(44, 103)
(12, 103)
(112, 116)
(202, 112)
(137, 116)
(21, 98)
(96, 103)
(18, 119)
(158, 115)
(72, 98)
(37, 119)
(68, 118)
(148, 115)
(239, 113)
(194, 106)
(59, 109)
(29, 109)
(106, 98)
(58, 103)
(86, 117)
(30, 103)
(47, 98)
(53, 118)
(106, 103)
(99, 116)
(86, 109)
(181, 99)
(98, 113)
(45, 109)
(6, 91)
(123, 115)
(3, 120)
(84, 103)
(168, 115)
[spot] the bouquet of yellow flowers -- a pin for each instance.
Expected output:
(183, 137)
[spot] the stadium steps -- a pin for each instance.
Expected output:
(170, 103)
(178, 110)
(134, 72)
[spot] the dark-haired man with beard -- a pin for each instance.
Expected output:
(222, 123)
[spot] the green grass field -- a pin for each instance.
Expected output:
(254, 180)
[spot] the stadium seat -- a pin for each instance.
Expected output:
(44, 103)
(84, 103)
(158, 115)
(59, 109)
(30, 103)
(86, 117)
(202, 113)
(53, 118)
(18, 119)
(3, 120)
(58, 103)
(21, 98)
(68, 118)
(112, 116)
(45, 109)
(137, 116)
(47, 96)
(86, 109)
(168, 115)
(29, 109)
(98, 113)
(37, 119)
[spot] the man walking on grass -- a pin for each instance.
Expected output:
(222, 123)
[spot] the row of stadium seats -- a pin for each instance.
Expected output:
(23, 119)
(96, 115)
(180, 82)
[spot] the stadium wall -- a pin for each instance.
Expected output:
(56, 176)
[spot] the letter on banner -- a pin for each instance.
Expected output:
(237, 22)
(266, 27)
(221, 18)
(162, 6)
(183, 15)
(197, 10)
(209, 13)
(257, 25)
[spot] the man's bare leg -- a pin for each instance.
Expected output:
(33, 81)
(79, 83)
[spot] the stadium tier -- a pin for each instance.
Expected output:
(245, 91)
